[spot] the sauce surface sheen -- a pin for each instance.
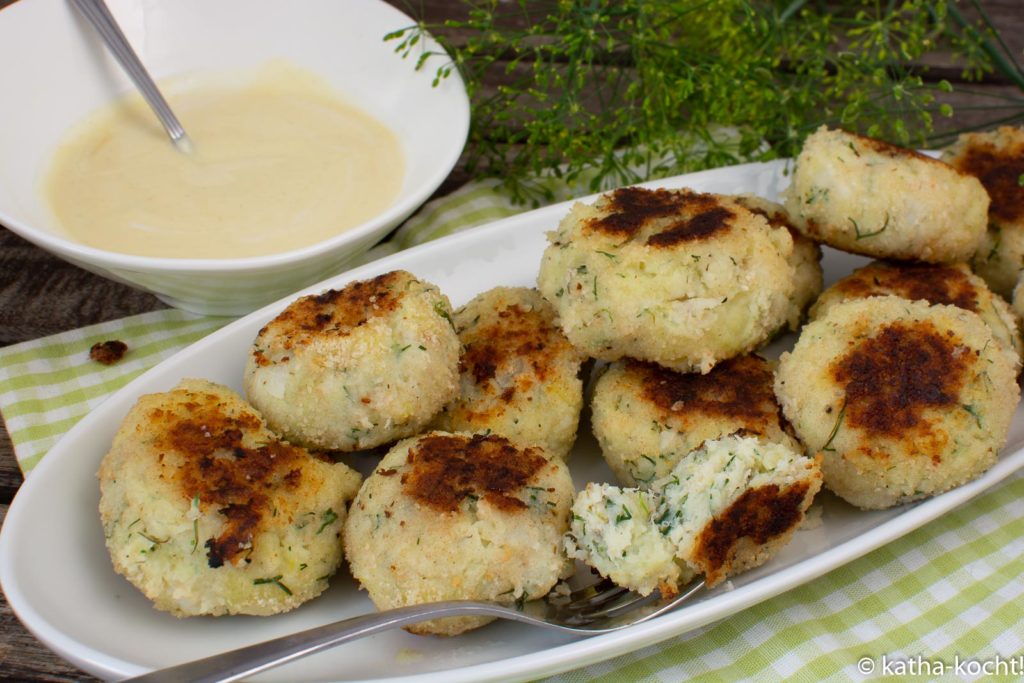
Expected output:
(279, 162)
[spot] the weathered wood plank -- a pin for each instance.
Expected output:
(1008, 15)
(41, 295)
(10, 476)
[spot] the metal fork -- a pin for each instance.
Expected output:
(596, 609)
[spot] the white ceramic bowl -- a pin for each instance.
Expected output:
(56, 72)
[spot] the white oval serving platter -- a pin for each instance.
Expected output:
(58, 578)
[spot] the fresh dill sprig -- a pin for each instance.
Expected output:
(275, 580)
(608, 92)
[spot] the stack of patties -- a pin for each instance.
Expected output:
(905, 380)
(676, 288)
(445, 515)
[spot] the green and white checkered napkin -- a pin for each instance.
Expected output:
(954, 588)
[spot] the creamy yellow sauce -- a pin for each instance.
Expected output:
(278, 163)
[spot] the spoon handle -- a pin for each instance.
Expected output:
(98, 14)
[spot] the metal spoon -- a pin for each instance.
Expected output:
(103, 21)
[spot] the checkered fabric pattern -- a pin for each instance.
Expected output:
(944, 602)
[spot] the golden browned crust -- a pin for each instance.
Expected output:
(446, 469)
(999, 168)
(891, 378)
(519, 333)
(739, 388)
(335, 311)
(888, 149)
(760, 514)
(895, 151)
(777, 218)
(693, 216)
(693, 229)
(936, 284)
(203, 452)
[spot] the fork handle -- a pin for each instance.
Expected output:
(232, 665)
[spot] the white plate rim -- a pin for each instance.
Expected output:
(546, 662)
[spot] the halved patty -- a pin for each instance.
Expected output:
(725, 507)
(733, 503)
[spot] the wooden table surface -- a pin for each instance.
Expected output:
(41, 295)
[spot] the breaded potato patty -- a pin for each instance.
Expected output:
(460, 516)
(904, 400)
(675, 277)
(646, 417)
(734, 503)
(996, 158)
(614, 532)
(205, 511)
(808, 277)
(519, 374)
(357, 367)
(869, 197)
(952, 285)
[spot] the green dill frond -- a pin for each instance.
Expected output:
(601, 93)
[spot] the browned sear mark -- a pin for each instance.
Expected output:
(518, 333)
(936, 284)
(446, 469)
(999, 171)
(776, 219)
(759, 514)
(693, 229)
(339, 310)
(628, 209)
(693, 216)
(739, 388)
(893, 151)
(218, 469)
(891, 378)
(108, 352)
